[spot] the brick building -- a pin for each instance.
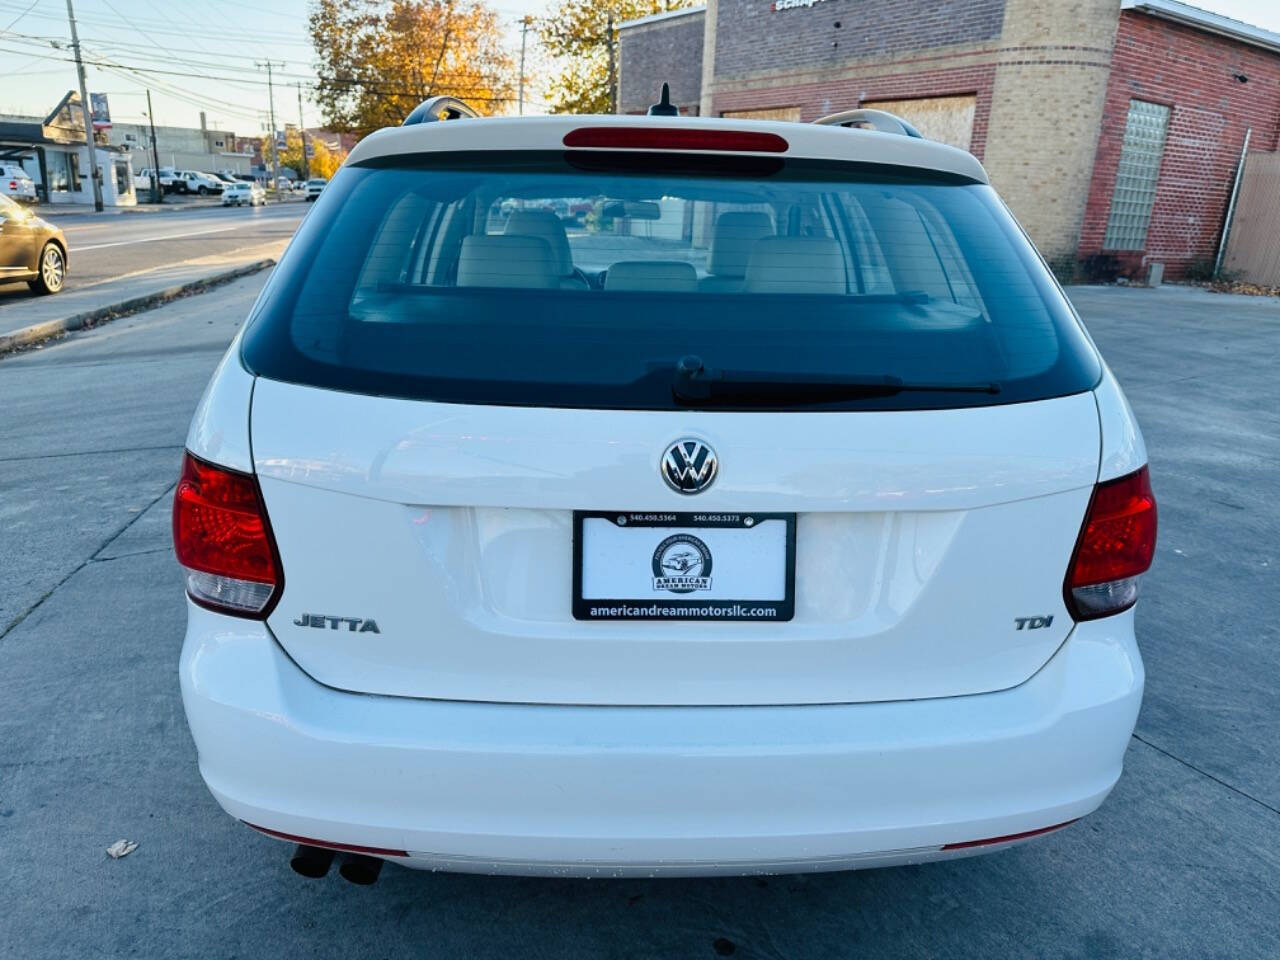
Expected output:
(1112, 127)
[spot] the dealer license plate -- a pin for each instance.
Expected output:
(684, 566)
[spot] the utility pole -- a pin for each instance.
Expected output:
(525, 22)
(271, 94)
(302, 132)
(88, 115)
(157, 191)
(613, 69)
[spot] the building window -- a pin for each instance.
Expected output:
(1135, 190)
(59, 176)
(948, 120)
(124, 182)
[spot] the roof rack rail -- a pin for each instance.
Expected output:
(439, 108)
(880, 120)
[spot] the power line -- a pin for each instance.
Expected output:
(187, 96)
(15, 20)
(311, 79)
(195, 37)
(256, 8)
(449, 80)
(268, 38)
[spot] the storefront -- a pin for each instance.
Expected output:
(53, 153)
(1112, 129)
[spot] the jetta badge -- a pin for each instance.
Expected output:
(322, 620)
(689, 466)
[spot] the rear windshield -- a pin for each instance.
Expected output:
(588, 279)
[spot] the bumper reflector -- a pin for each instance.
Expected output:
(328, 844)
(1008, 838)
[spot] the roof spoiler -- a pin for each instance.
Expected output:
(439, 108)
(880, 120)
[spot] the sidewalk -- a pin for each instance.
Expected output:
(39, 318)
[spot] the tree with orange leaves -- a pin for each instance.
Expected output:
(378, 59)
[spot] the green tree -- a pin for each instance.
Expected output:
(577, 32)
(378, 59)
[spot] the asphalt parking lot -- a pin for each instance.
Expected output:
(1182, 861)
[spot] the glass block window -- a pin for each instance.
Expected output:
(1135, 190)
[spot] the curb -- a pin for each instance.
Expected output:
(54, 211)
(37, 332)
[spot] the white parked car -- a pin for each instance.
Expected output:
(314, 187)
(16, 183)
(786, 518)
(240, 193)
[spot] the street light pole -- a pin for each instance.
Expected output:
(275, 151)
(85, 110)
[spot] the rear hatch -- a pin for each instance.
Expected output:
(472, 438)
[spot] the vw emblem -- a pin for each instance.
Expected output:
(689, 466)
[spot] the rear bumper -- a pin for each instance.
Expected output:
(508, 788)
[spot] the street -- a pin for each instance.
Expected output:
(106, 248)
(1181, 861)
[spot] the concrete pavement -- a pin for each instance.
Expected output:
(1182, 861)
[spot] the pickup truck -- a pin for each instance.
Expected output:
(168, 179)
(192, 181)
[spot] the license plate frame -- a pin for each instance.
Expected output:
(674, 608)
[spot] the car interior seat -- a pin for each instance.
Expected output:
(736, 231)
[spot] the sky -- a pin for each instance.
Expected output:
(194, 55)
(202, 55)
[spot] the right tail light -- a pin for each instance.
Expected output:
(1116, 546)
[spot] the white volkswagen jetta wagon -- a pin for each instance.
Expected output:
(607, 495)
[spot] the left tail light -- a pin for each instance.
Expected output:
(223, 540)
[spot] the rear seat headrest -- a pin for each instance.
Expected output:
(735, 233)
(675, 276)
(548, 226)
(500, 261)
(796, 265)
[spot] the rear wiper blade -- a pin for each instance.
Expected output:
(697, 383)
